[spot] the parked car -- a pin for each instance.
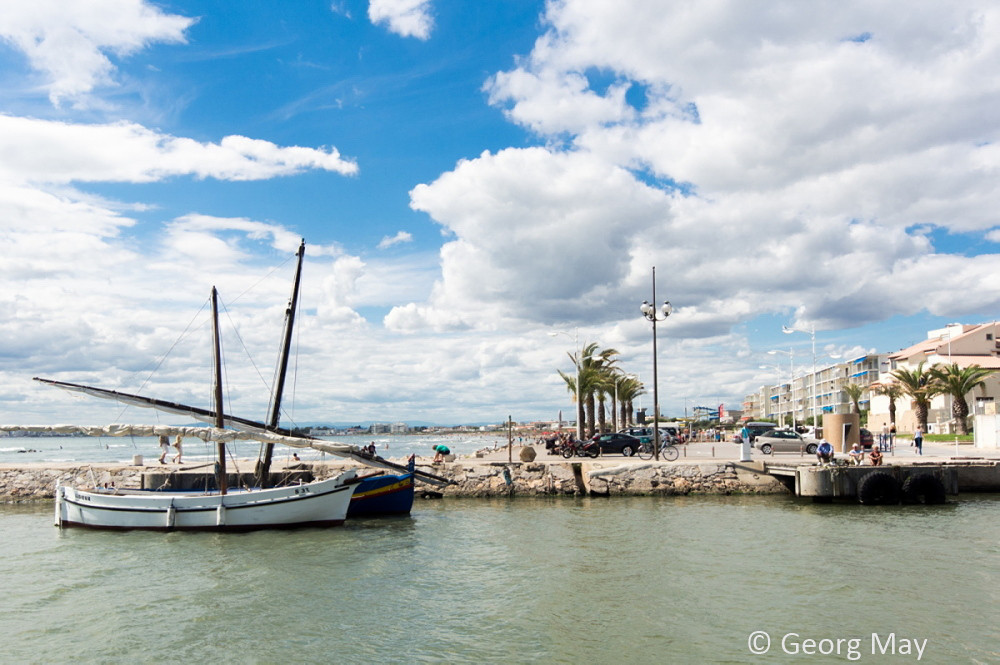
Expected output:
(784, 441)
(671, 434)
(756, 429)
(645, 434)
(617, 443)
(809, 432)
(867, 440)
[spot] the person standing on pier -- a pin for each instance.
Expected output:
(177, 445)
(164, 448)
(746, 440)
(918, 440)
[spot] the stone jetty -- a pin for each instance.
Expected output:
(471, 477)
(524, 471)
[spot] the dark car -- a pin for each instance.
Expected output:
(756, 429)
(644, 434)
(867, 440)
(617, 443)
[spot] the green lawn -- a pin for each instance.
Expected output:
(946, 438)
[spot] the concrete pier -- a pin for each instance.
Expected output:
(846, 481)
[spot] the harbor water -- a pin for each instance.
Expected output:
(708, 579)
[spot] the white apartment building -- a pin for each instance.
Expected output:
(794, 400)
(963, 345)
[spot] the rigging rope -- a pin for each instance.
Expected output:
(163, 358)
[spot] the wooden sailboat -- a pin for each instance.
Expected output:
(319, 503)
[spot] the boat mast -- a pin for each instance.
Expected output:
(219, 420)
(264, 465)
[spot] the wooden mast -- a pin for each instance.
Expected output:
(221, 479)
(264, 465)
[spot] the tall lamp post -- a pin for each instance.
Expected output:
(791, 381)
(579, 359)
(650, 312)
(812, 333)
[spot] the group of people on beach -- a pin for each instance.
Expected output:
(165, 449)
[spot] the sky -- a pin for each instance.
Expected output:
(484, 188)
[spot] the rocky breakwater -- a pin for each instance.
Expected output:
(604, 478)
(30, 483)
(471, 477)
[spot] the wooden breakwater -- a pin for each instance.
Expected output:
(470, 478)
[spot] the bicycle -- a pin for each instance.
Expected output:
(668, 451)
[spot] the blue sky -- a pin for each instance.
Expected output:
(470, 177)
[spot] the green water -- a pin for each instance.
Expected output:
(642, 580)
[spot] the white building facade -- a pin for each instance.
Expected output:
(962, 345)
(813, 394)
(823, 391)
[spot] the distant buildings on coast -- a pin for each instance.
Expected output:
(402, 428)
(824, 390)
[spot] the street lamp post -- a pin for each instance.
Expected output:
(577, 361)
(650, 312)
(812, 333)
(791, 381)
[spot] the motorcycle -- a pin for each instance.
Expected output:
(581, 448)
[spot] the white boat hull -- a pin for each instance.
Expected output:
(320, 503)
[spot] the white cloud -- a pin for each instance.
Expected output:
(399, 238)
(407, 18)
(69, 42)
(806, 163)
(542, 247)
(759, 158)
(43, 151)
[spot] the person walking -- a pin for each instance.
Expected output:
(746, 440)
(164, 448)
(177, 446)
(918, 440)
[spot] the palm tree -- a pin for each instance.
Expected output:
(596, 369)
(570, 380)
(593, 368)
(958, 382)
(918, 384)
(893, 391)
(602, 393)
(854, 392)
(628, 390)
